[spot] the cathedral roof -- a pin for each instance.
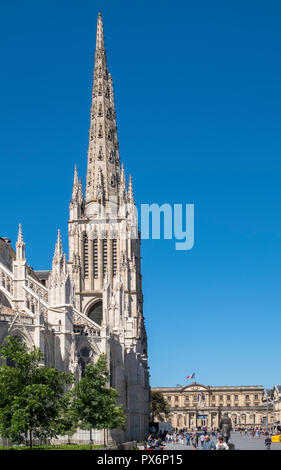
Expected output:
(11, 312)
(42, 275)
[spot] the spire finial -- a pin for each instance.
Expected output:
(58, 249)
(20, 245)
(131, 191)
(80, 192)
(75, 184)
(100, 35)
(20, 237)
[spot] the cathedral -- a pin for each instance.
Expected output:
(92, 302)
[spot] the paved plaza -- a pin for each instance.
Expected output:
(241, 443)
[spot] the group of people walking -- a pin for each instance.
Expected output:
(193, 439)
(205, 438)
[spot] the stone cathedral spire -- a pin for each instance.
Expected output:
(104, 256)
(20, 245)
(103, 171)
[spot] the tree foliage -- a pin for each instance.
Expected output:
(159, 407)
(33, 398)
(94, 403)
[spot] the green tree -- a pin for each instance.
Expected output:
(33, 398)
(94, 403)
(159, 407)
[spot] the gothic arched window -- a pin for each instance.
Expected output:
(100, 132)
(4, 301)
(100, 153)
(85, 253)
(114, 257)
(95, 313)
(83, 359)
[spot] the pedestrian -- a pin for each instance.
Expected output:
(158, 445)
(193, 442)
(221, 445)
(202, 439)
(267, 443)
(208, 443)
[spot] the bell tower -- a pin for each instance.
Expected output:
(104, 252)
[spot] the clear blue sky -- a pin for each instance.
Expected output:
(198, 100)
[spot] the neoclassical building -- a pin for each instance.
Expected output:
(92, 302)
(197, 405)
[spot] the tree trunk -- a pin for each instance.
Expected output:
(91, 438)
(30, 439)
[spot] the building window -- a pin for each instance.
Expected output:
(228, 397)
(83, 359)
(100, 155)
(95, 260)
(236, 398)
(100, 132)
(247, 397)
(104, 257)
(256, 397)
(86, 259)
(95, 313)
(221, 397)
(114, 257)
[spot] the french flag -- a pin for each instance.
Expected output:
(191, 376)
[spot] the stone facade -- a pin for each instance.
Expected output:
(197, 405)
(91, 303)
(273, 400)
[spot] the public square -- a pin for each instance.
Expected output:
(240, 442)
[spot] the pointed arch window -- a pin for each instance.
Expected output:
(86, 256)
(83, 359)
(114, 257)
(100, 132)
(100, 113)
(112, 181)
(100, 155)
(104, 243)
(111, 159)
(95, 260)
(95, 313)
